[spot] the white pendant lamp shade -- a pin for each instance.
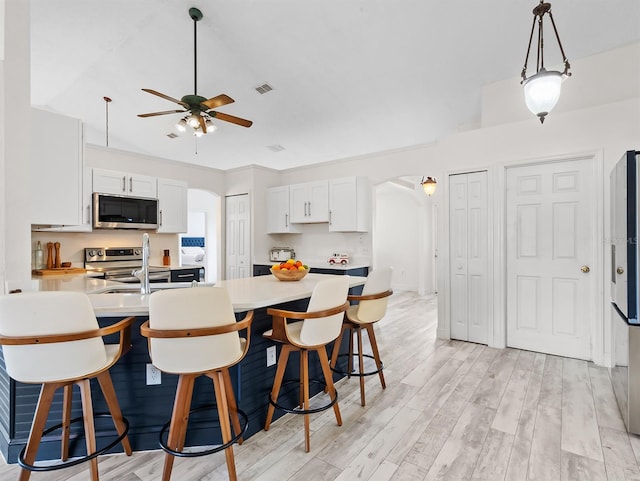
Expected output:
(542, 92)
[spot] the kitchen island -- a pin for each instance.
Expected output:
(148, 407)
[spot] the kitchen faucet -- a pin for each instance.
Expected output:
(143, 273)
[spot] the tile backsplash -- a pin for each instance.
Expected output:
(72, 244)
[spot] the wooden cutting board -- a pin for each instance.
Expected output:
(58, 271)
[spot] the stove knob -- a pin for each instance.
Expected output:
(100, 253)
(137, 252)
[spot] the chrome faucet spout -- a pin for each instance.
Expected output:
(143, 273)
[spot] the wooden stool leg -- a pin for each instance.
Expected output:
(376, 354)
(277, 382)
(39, 421)
(89, 428)
(225, 427)
(233, 406)
(66, 421)
(336, 346)
(361, 366)
(331, 389)
(304, 376)
(106, 384)
(350, 363)
(179, 420)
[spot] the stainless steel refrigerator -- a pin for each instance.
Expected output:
(625, 375)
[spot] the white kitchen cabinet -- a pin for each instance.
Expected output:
(278, 218)
(123, 183)
(172, 206)
(309, 202)
(57, 168)
(349, 204)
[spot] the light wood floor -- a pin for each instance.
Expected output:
(451, 411)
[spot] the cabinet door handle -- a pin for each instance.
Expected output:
(286, 220)
(309, 208)
(185, 275)
(124, 183)
(130, 184)
(305, 209)
(88, 214)
(160, 216)
(329, 217)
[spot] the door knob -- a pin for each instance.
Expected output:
(585, 269)
(620, 270)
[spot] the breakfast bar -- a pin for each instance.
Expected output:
(148, 406)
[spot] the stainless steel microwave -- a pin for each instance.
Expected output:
(124, 212)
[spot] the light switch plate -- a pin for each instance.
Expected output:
(271, 356)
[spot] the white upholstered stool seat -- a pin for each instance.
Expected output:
(53, 339)
(317, 327)
(193, 333)
(371, 307)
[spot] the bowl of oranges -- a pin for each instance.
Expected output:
(291, 270)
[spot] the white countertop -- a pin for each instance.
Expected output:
(320, 265)
(246, 293)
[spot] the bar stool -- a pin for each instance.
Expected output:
(53, 339)
(192, 333)
(319, 326)
(371, 307)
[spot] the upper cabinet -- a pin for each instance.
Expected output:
(349, 204)
(56, 180)
(309, 202)
(123, 183)
(278, 216)
(172, 205)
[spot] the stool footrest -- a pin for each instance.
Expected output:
(360, 374)
(74, 462)
(324, 407)
(244, 422)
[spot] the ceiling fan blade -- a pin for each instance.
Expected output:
(153, 114)
(218, 101)
(231, 118)
(166, 97)
(203, 126)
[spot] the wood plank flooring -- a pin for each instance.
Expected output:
(451, 411)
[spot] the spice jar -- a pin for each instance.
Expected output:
(166, 259)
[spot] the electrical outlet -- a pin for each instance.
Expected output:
(154, 375)
(271, 356)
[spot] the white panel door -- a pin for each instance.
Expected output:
(549, 229)
(468, 234)
(238, 236)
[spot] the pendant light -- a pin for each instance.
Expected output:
(429, 185)
(542, 90)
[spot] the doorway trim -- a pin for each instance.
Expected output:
(600, 324)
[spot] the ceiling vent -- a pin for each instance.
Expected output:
(171, 135)
(275, 148)
(264, 88)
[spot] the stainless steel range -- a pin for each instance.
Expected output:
(119, 263)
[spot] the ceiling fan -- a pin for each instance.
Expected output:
(199, 109)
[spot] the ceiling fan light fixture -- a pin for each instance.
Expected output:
(181, 125)
(211, 127)
(193, 121)
(198, 133)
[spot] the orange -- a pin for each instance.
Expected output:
(298, 263)
(276, 267)
(301, 268)
(291, 261)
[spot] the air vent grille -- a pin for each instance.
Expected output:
(264, 88)
(275, 148)
(171, 135)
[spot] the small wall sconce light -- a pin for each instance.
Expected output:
(542, 90)
(429, 185)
